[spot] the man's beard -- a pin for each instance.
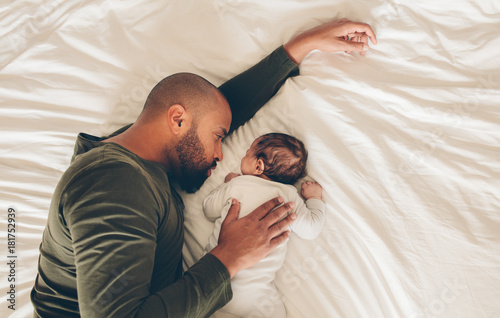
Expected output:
(194, 168)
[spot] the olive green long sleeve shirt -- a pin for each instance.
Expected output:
(112, 246)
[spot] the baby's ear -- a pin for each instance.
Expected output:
(260, 166)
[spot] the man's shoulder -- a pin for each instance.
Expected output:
(106, 158)
(110, 155)
(110, 174)
(112, 164)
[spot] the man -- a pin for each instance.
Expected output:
(113, 242)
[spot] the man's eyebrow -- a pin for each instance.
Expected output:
(224, 132)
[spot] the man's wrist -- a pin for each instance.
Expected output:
(227, 260)
(297, 48)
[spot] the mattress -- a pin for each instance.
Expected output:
(404, 140)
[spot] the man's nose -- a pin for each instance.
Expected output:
(218, 153)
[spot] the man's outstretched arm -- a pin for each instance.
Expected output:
(249, 91)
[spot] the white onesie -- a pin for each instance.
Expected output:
(253, 288)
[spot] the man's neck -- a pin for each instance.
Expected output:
(138, 141)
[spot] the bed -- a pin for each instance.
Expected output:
(405, 140)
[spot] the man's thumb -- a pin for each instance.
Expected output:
(234, 211)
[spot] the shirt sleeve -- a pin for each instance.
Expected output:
(310, 218)
(215, 202)
(249, 91)
(113, 235)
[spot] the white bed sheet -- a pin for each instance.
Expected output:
(405, 140)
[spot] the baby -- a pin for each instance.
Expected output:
(271, 165)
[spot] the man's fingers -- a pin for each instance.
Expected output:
(280, 238)
(350, 46)
(278, 213)
(233, 212)
(282, 225)
(357, 37)
(264, 209)
(363, 39)
(357, 27)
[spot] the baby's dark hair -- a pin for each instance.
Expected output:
(284, 157)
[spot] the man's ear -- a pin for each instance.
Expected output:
(260, 166)
(178, 119)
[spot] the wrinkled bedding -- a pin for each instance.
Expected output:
(405, 140)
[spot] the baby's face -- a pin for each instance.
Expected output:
(249, 161)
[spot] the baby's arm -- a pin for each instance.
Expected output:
(230, 176)
(215, 202)
(311, 215)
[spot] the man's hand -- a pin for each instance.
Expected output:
(312, 190)
(335, 36)
(230, 176)
(243, 242)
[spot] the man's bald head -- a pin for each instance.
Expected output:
(197, 95)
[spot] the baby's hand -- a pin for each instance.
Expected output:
(312, 190)
(230, 176)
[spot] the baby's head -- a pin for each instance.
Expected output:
(275, 156)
